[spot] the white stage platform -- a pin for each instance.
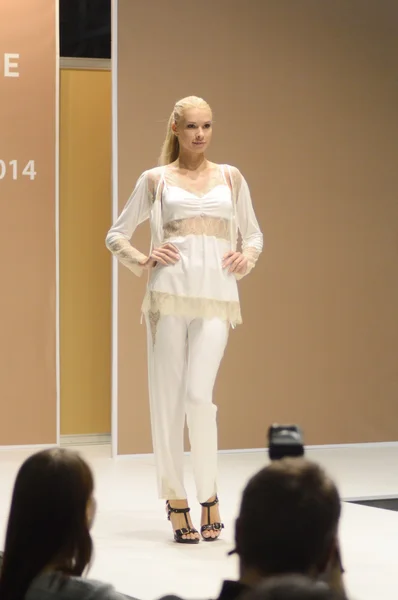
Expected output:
(133, 540)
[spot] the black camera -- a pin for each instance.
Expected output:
(285, 441)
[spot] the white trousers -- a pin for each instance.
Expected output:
(184, 356)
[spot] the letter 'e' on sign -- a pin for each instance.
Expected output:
(11, 65)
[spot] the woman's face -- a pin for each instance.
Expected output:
(194, 130)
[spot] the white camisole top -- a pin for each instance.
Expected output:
(196, 285)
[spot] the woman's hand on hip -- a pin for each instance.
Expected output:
(167, 254)
(235, 262)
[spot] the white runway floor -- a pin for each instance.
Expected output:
(133, 541)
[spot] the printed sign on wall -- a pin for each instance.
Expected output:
(28, 97)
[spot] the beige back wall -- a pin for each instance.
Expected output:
(85, 269)
(305, 97)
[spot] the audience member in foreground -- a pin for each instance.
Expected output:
(292, 587)
(48, 544)
(288, 523)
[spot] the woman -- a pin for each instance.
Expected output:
(48, 544)
(196, 209)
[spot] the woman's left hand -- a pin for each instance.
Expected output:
(235, 262)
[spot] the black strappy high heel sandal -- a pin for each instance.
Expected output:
(211, 526)
(178, 534)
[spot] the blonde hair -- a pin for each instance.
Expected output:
(171, 146)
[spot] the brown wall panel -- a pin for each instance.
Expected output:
(28, 241)
(85, 268)
(305, 100)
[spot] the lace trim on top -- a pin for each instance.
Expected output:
(156, 304)
(218, 175)
(200, 186)
(252, 255)
(200, 225)
(129, 256)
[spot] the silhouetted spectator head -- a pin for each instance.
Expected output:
(288, 520)
(51, 513)
(292, 587)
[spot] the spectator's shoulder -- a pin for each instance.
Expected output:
(55, 586)
(98, 590)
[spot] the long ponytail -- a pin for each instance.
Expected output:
(171, 146)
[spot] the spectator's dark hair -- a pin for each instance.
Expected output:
(292, 587)
(288, 518)
(48, 522)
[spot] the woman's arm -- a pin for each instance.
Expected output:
(135, 212)
(252, 238)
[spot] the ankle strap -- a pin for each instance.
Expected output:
(178, 510)
(209, 504)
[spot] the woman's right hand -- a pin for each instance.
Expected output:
(165, 255)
